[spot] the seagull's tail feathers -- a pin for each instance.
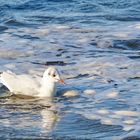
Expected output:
(5, 79)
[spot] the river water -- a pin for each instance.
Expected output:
(95, 45)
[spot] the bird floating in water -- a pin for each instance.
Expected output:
(27, 85)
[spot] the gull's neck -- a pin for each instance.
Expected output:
(48, 88)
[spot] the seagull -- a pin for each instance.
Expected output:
(27, 85)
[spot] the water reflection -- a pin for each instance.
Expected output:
(101, 63)
(34, 116)
(49, 119)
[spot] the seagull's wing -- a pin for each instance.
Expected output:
(17, 84)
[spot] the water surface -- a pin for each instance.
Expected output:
(95, 45)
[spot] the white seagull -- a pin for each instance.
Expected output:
(27, 85)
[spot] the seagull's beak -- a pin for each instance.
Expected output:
(62, 81)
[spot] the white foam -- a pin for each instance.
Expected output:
(112, 94)
(127, 113)
(128, 127)
(129, 122)
(115, 116)
(62, 27)
(70, 93)
(89, 91)
(106, 121)
(83, 40)
(91, 116)
(122, 34)
(103, 111)
(137, 26)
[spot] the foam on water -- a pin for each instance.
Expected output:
(89, 91)
(126, 113)
(101, 71)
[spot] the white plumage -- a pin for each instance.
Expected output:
(27, 85)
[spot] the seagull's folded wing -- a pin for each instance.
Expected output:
(17, 84)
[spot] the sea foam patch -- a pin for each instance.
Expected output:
(127, 113)
(89, 91)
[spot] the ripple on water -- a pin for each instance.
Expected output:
(99, 60)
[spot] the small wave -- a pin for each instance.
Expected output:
(14, 22)
(133, 44)
(3, 28)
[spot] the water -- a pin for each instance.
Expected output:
(96, 46)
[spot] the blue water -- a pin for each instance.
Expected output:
(95, 45)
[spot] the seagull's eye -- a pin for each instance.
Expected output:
(54, 75)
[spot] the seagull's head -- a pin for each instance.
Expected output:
(52, 74)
